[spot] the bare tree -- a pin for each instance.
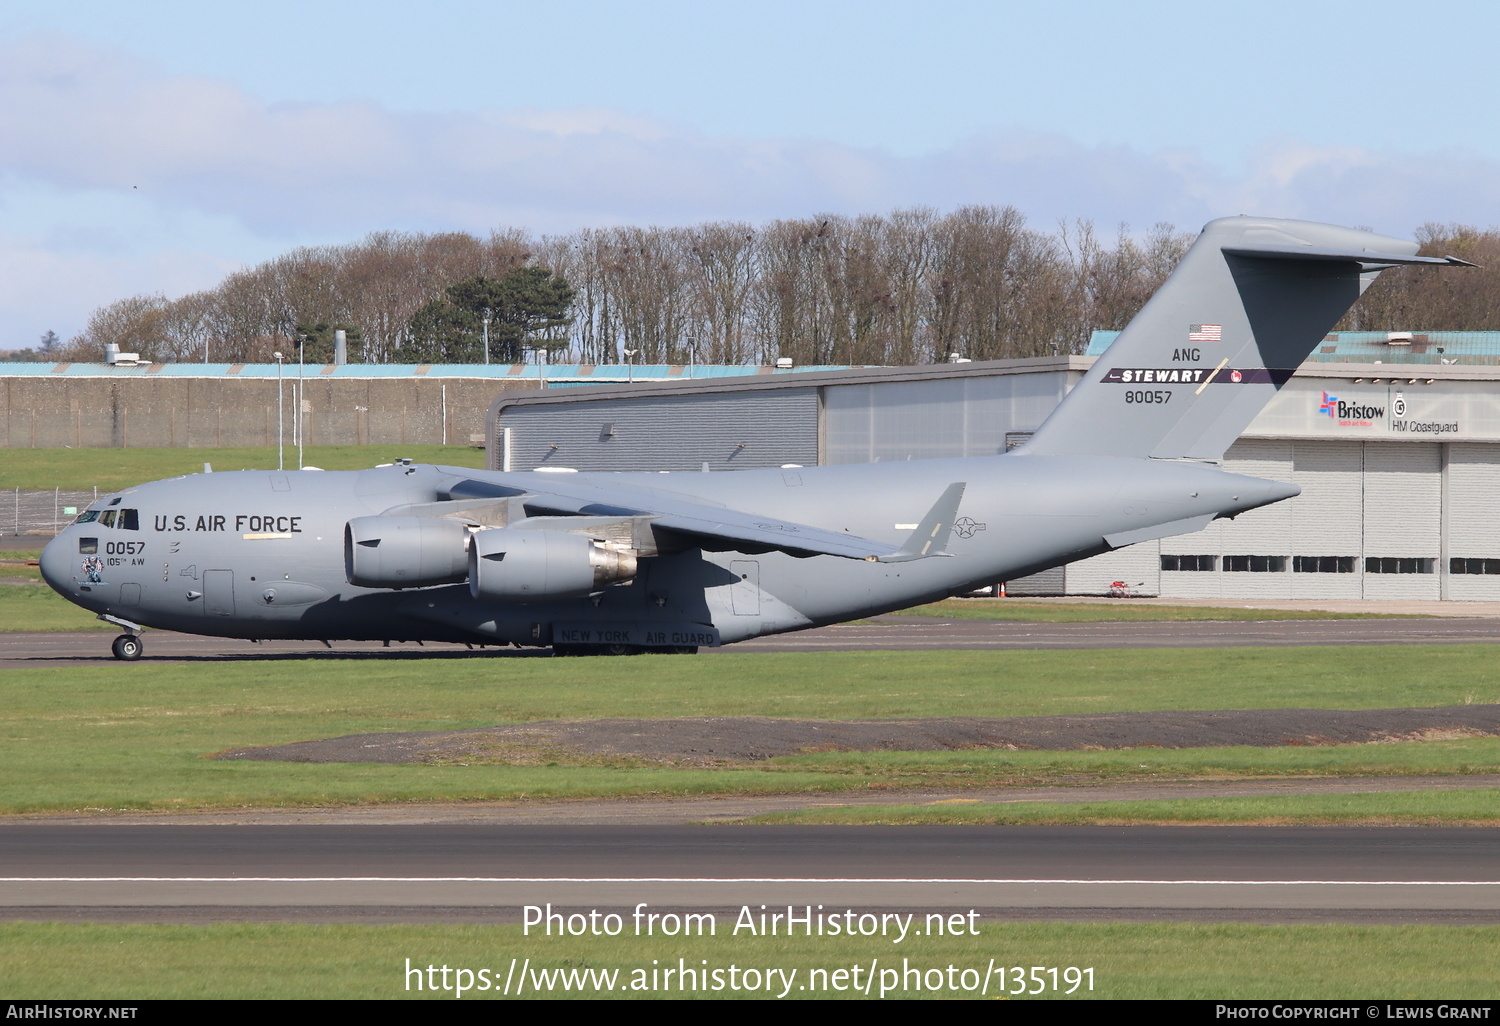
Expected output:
(912, 286)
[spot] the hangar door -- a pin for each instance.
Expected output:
(1403, 520)
(1473, 522)
(1327, 520)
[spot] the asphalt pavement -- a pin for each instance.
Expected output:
(302, 871)
(887, 633)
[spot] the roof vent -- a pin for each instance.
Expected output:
(114, 358)
(1398, 338)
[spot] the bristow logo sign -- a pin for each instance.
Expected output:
(1349, 413)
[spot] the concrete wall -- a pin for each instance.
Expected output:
(52, 413)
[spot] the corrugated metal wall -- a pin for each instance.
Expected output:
(729, 431)
(1136, 566)
(943, 417)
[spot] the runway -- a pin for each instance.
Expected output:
(490, 872)
(887, 633)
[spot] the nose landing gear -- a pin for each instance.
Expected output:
(127, 647)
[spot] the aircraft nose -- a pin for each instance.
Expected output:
(56, 562)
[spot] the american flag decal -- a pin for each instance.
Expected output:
(1205, 332)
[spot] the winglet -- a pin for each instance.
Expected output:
(931, 536)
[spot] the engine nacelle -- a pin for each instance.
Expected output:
(528, 566)
(405, 552)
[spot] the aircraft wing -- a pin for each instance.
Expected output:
(692, 524)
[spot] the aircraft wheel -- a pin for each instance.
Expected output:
(684, 650)
(127, 647)
(618, 650)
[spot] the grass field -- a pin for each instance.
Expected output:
(16, 563)
(1156, 960)
(1001, 767)
(113, 469)
(28, 607)
(1477, 807)
(135, 736)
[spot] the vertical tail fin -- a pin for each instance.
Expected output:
(1245, 307)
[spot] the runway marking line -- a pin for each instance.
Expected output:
(729, 880)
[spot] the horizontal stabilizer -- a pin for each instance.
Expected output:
(1362, 256)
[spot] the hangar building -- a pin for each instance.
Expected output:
(1394, 439)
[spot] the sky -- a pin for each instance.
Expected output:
(158, 146)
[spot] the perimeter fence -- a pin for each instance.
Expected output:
(41, 514)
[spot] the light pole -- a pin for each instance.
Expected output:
(630, 355)
(301, 352)
(692, 344)
(280, 414)
(488, 313)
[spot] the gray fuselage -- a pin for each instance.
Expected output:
(259, 554)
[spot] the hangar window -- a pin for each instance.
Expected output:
(1395, 565)
(1474, 566)
(1255, 564)
(1187, 562)
(1322, 564)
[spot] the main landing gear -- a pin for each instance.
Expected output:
(127, 647)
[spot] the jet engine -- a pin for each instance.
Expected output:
(508, 565)
(405, 552)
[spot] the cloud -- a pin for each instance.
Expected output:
(248, 178)
(79, 118)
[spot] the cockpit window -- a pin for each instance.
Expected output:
(116, 500)
(88, 516)
(88, 546)
(130, 520)
(108, 517)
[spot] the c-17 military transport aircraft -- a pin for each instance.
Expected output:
(612, 563)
